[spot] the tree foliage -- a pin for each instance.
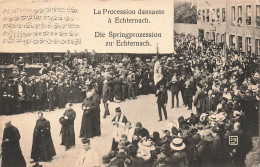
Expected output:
(185, 12)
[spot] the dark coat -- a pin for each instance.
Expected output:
(180, 159)
(198, 99)
(11, 151)
(188, 90)
(87, 125)
(41, 89)
(42, 147)
(106, 93)
(138, 161)
(175, 87)
(209, 104)
(143, 132)
(162, 97)
(96, 115)
(67, 129)
(30, 92)
(118, 88)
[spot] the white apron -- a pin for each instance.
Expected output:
(118, 129)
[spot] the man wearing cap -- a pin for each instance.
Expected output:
(67, 129)
(162, 99)
(11, 151)
(88, 157)
(119, 122)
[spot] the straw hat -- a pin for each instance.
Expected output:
(177, 144)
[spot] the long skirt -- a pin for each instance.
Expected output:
(86, 129)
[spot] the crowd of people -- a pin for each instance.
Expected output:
(225, 95)
(223, 88)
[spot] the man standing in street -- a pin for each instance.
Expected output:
(67, 129)
(42, 147)
(162, 99)
(11, 150)
(175, 89)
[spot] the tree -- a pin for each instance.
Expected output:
(185, 12)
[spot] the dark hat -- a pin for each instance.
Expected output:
(118, 109)
(85, 141)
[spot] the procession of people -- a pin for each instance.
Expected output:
(220, 89)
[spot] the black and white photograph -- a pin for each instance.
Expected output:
(133, 83)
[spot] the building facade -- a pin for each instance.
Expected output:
(233, 22)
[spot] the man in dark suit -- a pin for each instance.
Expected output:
(188, 93)
(106, 92)
(162, 99)
(51, 95)
(175, 88)
(198, 99)
(41, 93)
(30, 95)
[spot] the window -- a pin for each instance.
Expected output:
(199, 15)
(239, 43)
(239, 14)
(248, 15)
(218, 15)
(258, 15)
(207, 36)
(213, 37)
(207, 16)
(223, 15)
(248, 45)
(232, 42)
(233, 15)
(203, 14)
(213, 15)
(257, 46)
(217, 38)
